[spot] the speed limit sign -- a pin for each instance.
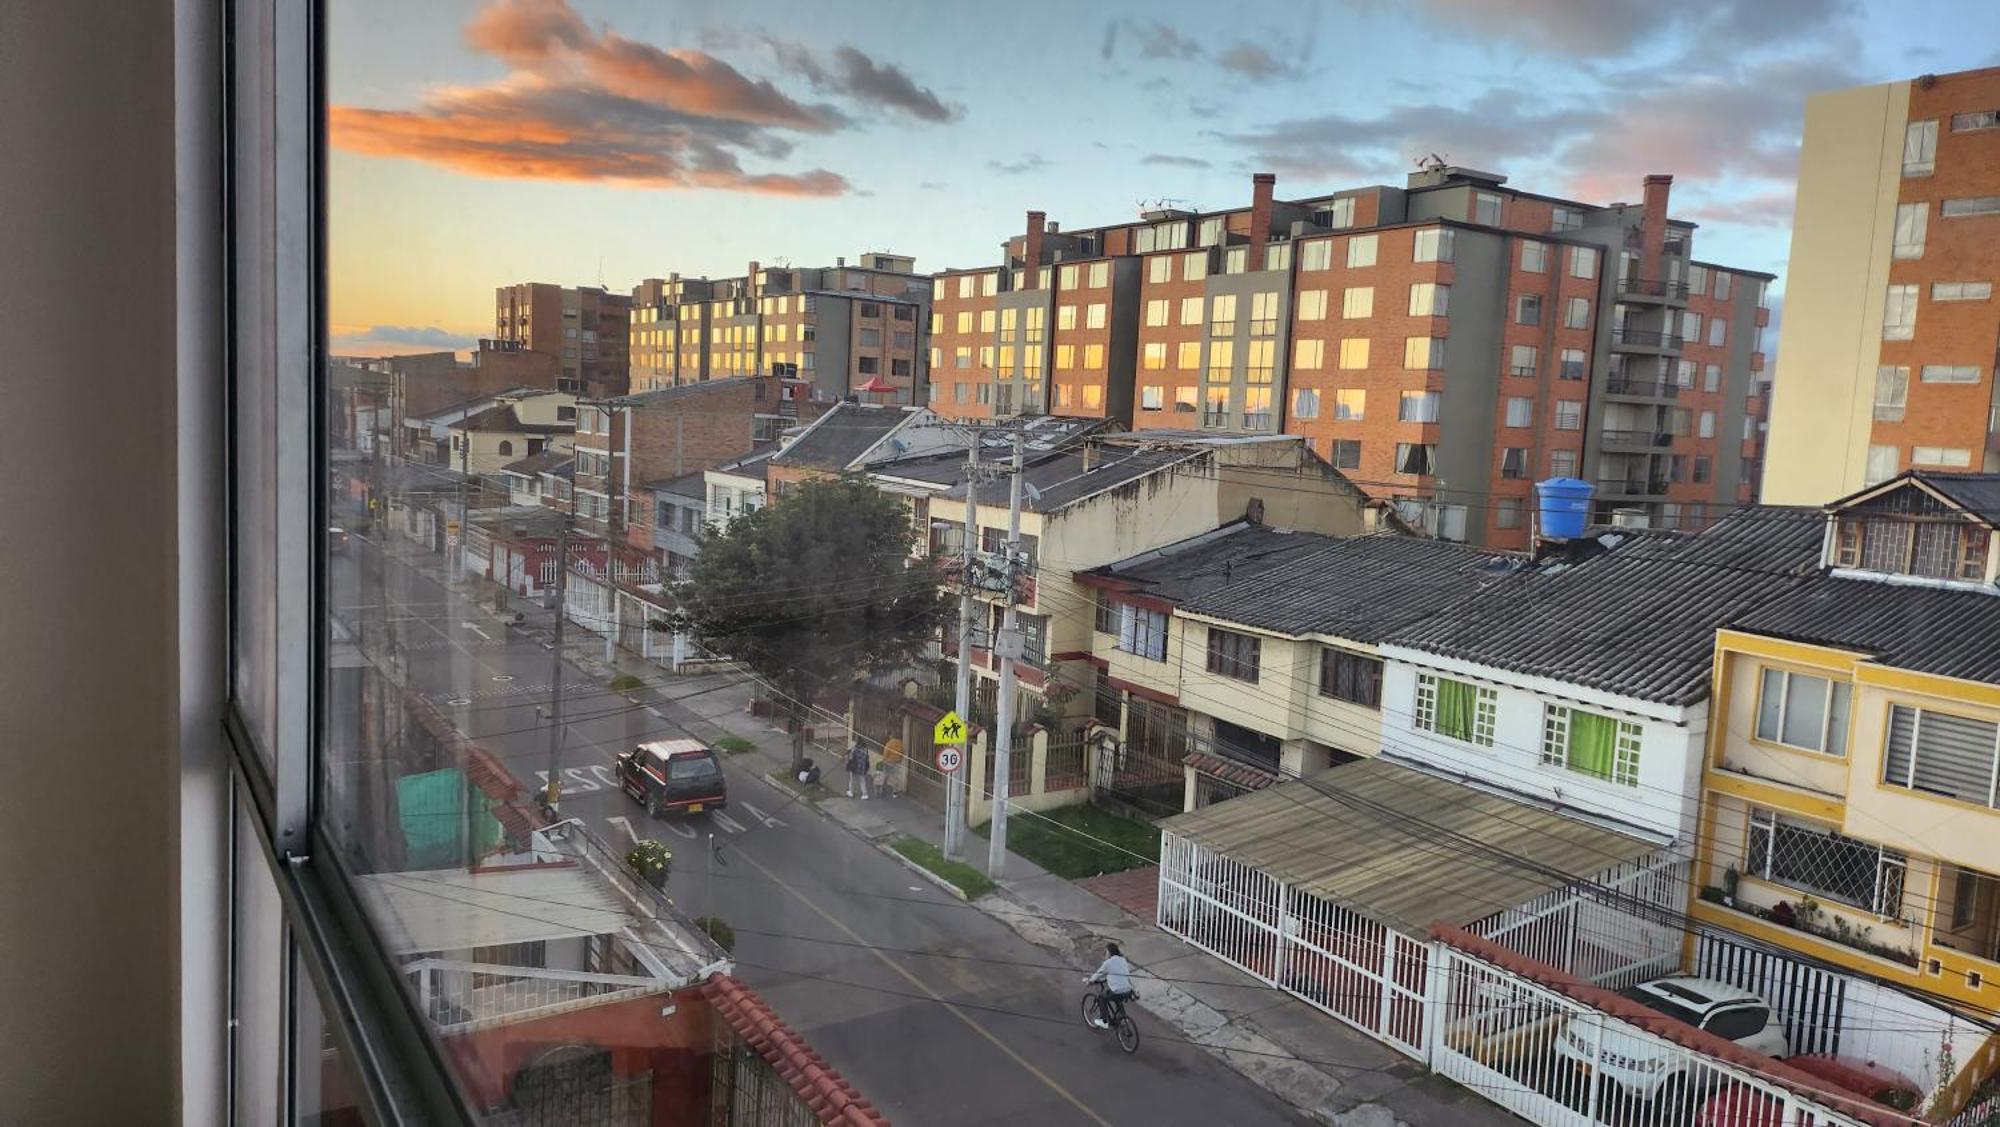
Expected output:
(949, 758)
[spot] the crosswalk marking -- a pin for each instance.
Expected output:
(728, 823)
(768, 820)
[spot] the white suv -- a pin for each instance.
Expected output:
(1641, 1065)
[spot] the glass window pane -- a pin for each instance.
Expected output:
(258, 1010)
(1770, 699)
(1805, 712)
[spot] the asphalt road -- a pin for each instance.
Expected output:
(936, 1012)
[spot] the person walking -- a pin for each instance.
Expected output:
(857, 769)
(893, 767)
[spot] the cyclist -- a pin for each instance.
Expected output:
(1116, 975)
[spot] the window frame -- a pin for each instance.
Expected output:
(1837, 690)
(1225, 654)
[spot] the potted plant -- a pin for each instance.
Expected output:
(651, 860)
(1729, 879)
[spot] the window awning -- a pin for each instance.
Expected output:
(1405, 847)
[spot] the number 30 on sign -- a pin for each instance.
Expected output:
(949, 759)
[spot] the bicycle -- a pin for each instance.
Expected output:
(1097, 1004)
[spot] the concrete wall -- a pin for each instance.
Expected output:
(1849, 174)
(1472, 366)
(97, 856)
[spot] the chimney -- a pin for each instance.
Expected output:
(840, 260)
(1260, 218)
(1031, 249)
(1089, 456)
(1654, 212)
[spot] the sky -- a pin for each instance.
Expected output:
(481, 142)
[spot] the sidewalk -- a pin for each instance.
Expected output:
(1291, 1049)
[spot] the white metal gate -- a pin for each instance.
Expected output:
(1621, 926)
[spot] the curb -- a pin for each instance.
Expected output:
(932, 877)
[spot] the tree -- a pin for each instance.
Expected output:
(812, 592)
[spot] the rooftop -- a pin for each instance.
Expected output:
(693, 485)
(1360, 587)
(545, 462)
(1944, 631)
(502, 418)
(1976, 493)
(1190, 568)
(1403, 846)
(660, 395)
(1059, 479)
(841, 435)
(1639, 620)
(755, 464)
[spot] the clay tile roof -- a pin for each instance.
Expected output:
(1231, 771)
(826, 1092)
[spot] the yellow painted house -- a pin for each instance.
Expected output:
(1851, 790)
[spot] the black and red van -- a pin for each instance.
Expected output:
(674, 776)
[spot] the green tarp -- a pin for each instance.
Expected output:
(447, 822)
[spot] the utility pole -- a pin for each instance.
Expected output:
(955, 783)
(1008, 646)
(554, 794)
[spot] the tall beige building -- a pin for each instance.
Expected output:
(1886, 356)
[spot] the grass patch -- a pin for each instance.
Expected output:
(1070, 847)
(733, 744)
(625, 683)
(967, 879)
(811, 792)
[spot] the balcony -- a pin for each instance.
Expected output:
(1651, 340)
(1656, 288)
(1632, 487)
(1641, 389)
(1637, 439)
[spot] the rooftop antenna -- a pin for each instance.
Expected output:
(600, 273)
(1431, 163)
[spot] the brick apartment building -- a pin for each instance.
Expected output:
(585, 328)
(1890, 337)
(419, 384)
(837, 327)
(1576, 340)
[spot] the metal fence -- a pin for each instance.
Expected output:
(1554, 1060)
(748, 1092)
(1620, 927)
(458, 995)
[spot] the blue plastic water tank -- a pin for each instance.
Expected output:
(1565, 506)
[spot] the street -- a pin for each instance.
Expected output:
(937, 1012)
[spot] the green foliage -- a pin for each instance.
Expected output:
(1081, 841)
(964, 877)
(813, 591)
(625, 683)
(722, 933)
(734, 745)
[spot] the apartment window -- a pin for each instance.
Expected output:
(1684, 374)
(1308, 353)
(1722, 285)
(1066, 277)
(1574, 364)
(1221, 360)
(1703, 469)
(1951, 373)
(1187, 356)
(1569, 414)
(964, 321)
(1065, 396)
(1911, 221)
(1415, 457)
(1234, 655)
(1535, 258)
(1093, 357)
(1336, 213)
(1822, 861)
(1718, 331)
(1429, 299)
(1523, 359)
(1566, 219)
(1486, 209)
(1037, 319)
(1961, 291)
(1976, 205)
(1707, 425)
(1194, 266)
(1346, 454)
(1357, 302)
(1943, 754)
(1432, 244)
(1093, 316)
(1352, 677)
(1184, 400)
(1065, 317)
(1520, 411)
(1590, 743)
(1263, 314)
(1946, 457)
(1458, 709)
(872, 338)
(1976, 120)
(1423, 353)
(1419, 406)
(1316, 255)
(1800, 710)
(1191, 310)
(1100, 275)
(1312, 305)
(1690, 325)
(1892, 390)
(1513, 464)
(1711, 378)
(867, 365)
(1154, 356)
(1360, 251)
(1157, 311)
(988, 320)
(1582, 262)
(1528, 309)
(1065, 357)
(989, 284)
(1920, 148)
(1899, 313)
(1222, 315)
(1305, 403)
(961, 393)
(1260, 361)
(1576, 313)
(1160, 268)
(1562, 463)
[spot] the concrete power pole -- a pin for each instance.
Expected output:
(1008, 646)
(955, 783)
(554, 793)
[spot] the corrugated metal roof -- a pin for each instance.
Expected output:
(1372, 835)
(1976, 492)
(1361, 587)
(1236, 552)
(443, 910)
(837, 438)
(1638, 621)
(1948, 632)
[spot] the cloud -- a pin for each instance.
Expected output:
(391, 338)
(863, 79)
(584, 105)
(1173, 160)
(1765, 209)
(1247, 60)
(1155, 40)
(1029, 162)
(1487, 130)
(933, 185)
(1609, 28)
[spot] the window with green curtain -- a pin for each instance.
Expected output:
(1593, 743)
(1456, 701)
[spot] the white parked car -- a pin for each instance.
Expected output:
(1645, 1068)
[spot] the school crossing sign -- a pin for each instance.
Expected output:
(949, 730)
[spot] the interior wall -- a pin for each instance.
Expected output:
(89, 801)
